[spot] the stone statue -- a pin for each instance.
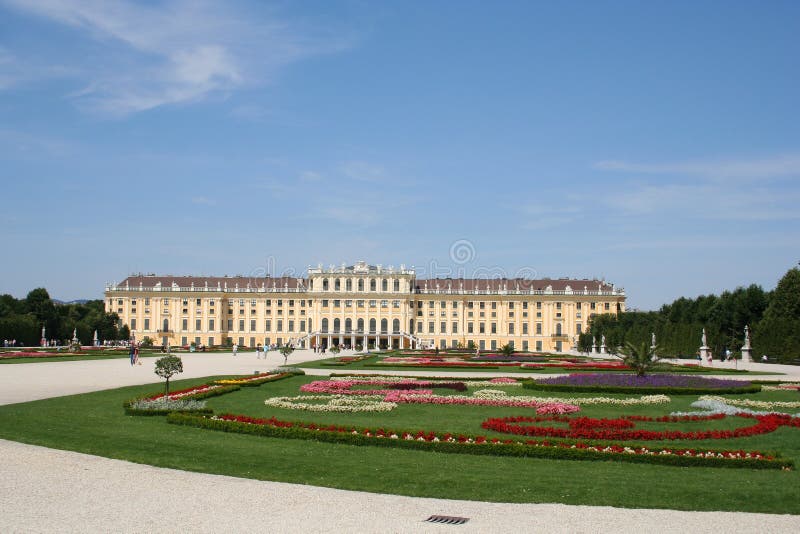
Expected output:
(603, 340)
(746, 335)
(703, 340)
(653, 339)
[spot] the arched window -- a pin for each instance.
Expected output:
(360, 326)
(384, 285)
(372, 326)
(337, 284)
(396, 326)
(336, 325)
(324, 325)
(361, 284)
(558, 329)
(384, 326)
(396, 285)
(324, 284)
(348, 284)
(372, 284)
(348, 325)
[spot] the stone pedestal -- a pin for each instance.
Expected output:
(602, 349)
(747, 354)
(704, 352)
(594, 349)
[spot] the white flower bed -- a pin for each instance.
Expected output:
(713, 406)
(164, 403)
(497, 394)
(766, 405)
(332, 403)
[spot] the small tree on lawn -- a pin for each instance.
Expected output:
(335, 350)
(168, 366)
(507, 349)
(471, 345)
(359, 347)
(286, 350)
(641, 358)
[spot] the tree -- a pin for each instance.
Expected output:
(335, 350)
(507, 349)
(641, 358)
(124, 332)
(286, 350)
(471, 345)
(778, 333)
(168, 366)
(147, 342)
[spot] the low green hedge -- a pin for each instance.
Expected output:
(569, 388)
(516, 450)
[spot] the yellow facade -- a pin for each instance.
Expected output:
(361, 305)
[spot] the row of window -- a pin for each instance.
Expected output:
(348, 284)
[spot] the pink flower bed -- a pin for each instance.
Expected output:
(426, 396)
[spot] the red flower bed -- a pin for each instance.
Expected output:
(433, 437)
(620, 429)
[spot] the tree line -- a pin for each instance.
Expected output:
(23, 319)
(773, 318)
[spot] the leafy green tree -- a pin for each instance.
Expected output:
(641, 358)
(286, 350)
(778, 333)
(147, 342)
(168, 366)
(335, 350)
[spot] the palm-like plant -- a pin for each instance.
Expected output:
(641, 358)
(507, 349)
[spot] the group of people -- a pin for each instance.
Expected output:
(134, 354)
(11, 343)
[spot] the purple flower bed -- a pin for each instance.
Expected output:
(649, 381)
(502, 358)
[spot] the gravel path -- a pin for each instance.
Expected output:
(47, 490)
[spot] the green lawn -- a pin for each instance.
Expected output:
(94, 423)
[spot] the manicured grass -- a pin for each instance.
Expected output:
(67, 358)
(94, 423)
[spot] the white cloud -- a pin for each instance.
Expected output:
(179, 51)
(769, 167)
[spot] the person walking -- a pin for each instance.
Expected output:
(136, 355)
(235, 348)
(133, 353)
(258, 351)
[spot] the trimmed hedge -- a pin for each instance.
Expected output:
(511, 449)
(569, 388)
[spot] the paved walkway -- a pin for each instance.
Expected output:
(39, 493)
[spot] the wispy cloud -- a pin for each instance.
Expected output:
(203, 201)
(363, 171)
(769, 167)
(177, 51)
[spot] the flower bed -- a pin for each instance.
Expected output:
(629, 383)
(585, 428)
(480, 445)
(252, 381)
(332, 403)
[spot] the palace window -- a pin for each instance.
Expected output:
(384, 285)
(482, 328)
(396, 285)
(337, 303)
(384, 304)
(197, 325)
(337, 284)
(360, 303)
(607, 306)
(454, 330)
(241, 303)
(395, 304)
(578, 328)
(419, 327)
(302, 326)
(133, 324)
(373, 303)
(348, 303)
(324, 303)
(539, 305)
(348, 285)
(291, 326)
(280, 325)
(268, 327)
(431, 327)
(524, 329)
(510, 305)
(443, 327)
(252, 325)
(324, 284)
(511, 328)
(538, 329)
(230, 324)
(147, 324)
(211, 324)
(241, 325)
(469, 328)
(361, 284)
(372, 284)
(494, 328)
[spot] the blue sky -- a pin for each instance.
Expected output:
(656, 145)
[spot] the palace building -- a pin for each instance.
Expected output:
(367, 305)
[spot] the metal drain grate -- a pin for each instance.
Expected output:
(447, 520)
